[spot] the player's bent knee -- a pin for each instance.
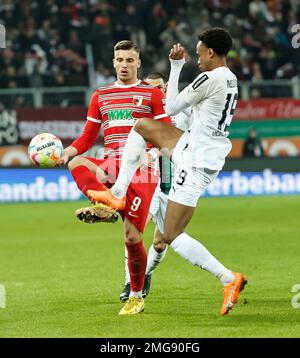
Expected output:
(131, 240)
(73, 164)
(132, 237)
(77, 162)
(159, 246)
(141, 126)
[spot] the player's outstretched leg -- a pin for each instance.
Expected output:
(194, 252)
(131, 158)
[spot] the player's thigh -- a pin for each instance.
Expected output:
(106, 170)
(87, 162)
(138, 200)
(177, 218)
(162, 135)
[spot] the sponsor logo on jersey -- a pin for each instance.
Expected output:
(199, 81)
(121, 118)
(137, 100)
(120, 114)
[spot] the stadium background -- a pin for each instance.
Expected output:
(57, 52)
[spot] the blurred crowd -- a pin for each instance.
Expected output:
(46, 39)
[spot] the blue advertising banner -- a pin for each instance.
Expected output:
(17, 185)
(25, 185)
(238, 183)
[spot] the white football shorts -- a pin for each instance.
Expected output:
(189, 184)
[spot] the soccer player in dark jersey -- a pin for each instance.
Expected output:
(116, 107)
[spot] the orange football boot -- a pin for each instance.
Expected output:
(107, 198)
(231, 292)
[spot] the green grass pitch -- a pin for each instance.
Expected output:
(63, 277)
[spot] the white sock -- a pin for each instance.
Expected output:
(194, 252)
(137, 294)
(154, 258)
(127, 275)
(131, 159)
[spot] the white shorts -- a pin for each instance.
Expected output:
(158, 208)
(189, 184)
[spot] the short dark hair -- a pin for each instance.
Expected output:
(127, 45)
(156, 75)
(218, 39)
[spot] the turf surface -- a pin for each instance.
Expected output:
(63, 277)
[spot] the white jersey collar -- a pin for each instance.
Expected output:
(127, 86)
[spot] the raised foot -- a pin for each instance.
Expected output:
(97, 213)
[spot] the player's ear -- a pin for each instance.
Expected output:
(139, 63)
(114, 65)
(211, 52)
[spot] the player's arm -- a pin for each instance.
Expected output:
(88, 137)
(158, 106)
(175, 103)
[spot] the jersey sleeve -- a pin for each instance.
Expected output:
(198, 90)
(93, 113)
(182, 121)
(91, 129)
(158, 102)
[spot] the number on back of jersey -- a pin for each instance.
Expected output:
(231, 101)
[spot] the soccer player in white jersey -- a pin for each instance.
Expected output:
(157, 211)
(212, 96)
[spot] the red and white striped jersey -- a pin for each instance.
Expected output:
(116, 107)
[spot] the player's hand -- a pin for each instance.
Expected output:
(149, 157)
(178, 52)
(63, 160)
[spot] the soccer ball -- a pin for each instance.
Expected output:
(45, 149)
